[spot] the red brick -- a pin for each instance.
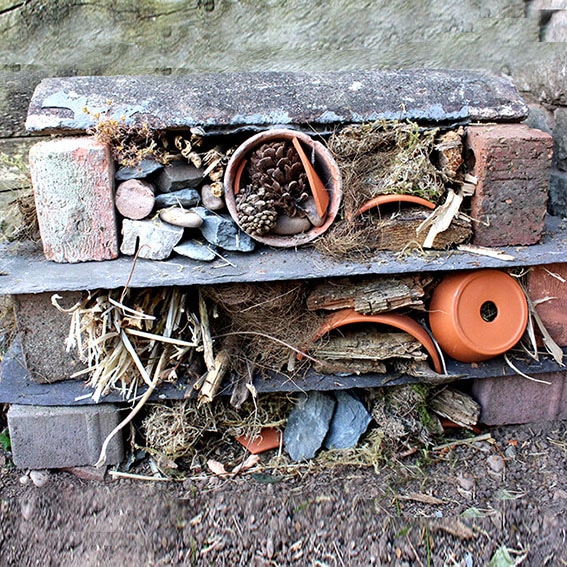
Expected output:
(546, 282)
(73, 180)
(514, 399)
(511, 163)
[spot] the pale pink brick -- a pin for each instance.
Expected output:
(73, 180)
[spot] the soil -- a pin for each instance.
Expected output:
(503, 498)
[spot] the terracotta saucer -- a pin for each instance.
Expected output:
(269, 438)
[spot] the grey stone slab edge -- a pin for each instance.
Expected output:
(27, 271)
(233, 101)
(17, 387)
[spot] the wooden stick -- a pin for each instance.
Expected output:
(214, 377)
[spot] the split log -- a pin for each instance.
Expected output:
(369, 345)
(350, 367)
(214, 377)
(369, 296)
(456, 406)
(398, 231)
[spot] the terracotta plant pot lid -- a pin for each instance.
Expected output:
(385, 199)
(477, 315)
(402, 322)
(269, 438)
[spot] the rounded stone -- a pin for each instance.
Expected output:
(210, 200)
(135, 199)
(181, 217)
(286, 226)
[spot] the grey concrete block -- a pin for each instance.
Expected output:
(52, 437)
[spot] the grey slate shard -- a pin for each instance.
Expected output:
(349, 422)
(177, 176)
(222, 231)
(181, 198)
(308, 424)
(143, 169)
(195, 250)
(235, 101)
(152, 238)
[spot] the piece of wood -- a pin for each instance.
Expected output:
(398, 231)
(214, 377)
(135, 199)
(350, 367)
(370, 295)
(456, 406)
(368, 344)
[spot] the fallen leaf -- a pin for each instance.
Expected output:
(250, 462)
(216, 467)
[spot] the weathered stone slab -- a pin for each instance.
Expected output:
(178, 176)
(73, 180)
(143, 169)
(24, 269)
(260, 99)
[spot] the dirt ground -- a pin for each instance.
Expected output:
(503, 499)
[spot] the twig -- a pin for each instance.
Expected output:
(161, 338)
(133, 476)
(515, 369)
(484, 251)
(469, 441)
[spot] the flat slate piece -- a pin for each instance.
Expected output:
(30, 272)
(233, 101)
(17, 387)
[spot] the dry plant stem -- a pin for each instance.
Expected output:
(484, 251)
(518, 371)
(132, 476)
(469, 441)
(214, 377)
(102, 458)
(208, 354)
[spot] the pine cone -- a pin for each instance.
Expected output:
(277, 168)
(256, 211)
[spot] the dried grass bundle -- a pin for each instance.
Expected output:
(376, 159)
(186, 429)
(262, 323)
(124, 345)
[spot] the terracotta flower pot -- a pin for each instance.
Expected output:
(325, 168)
(398, 320)
(477, 315)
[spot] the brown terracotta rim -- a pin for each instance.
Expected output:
(385, 199)
(398, 320)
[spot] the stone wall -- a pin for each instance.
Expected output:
(175, 37)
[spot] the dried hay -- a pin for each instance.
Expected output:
(124, 345)
(189, 430)
(262, 324)
(376, 159)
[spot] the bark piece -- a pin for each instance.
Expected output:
(399, 231)
(368, 296)
(456, 406)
